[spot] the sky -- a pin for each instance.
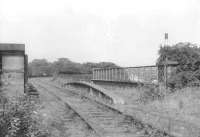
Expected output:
(126, 32)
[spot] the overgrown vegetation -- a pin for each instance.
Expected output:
(185, 74)
(17, 119)
(187, 56)
(41, 67)
(148, 93)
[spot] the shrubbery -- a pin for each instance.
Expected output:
(187, 72)
(187, 56)
(18, 119)
(149, 93)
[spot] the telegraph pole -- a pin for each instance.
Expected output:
(165, 63)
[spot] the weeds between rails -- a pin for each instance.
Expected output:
(147, 129)
(75, 114)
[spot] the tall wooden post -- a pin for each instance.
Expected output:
(25, 72)
(166, 61)
(165, 72)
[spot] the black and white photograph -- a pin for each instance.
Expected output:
(99, 68)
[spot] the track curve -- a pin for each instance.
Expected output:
(103, 120)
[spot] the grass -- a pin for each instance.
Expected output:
(183, 104)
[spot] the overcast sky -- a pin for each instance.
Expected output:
(127, 32)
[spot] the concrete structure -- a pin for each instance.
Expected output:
(13, 66)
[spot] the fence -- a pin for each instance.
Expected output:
(142, 74)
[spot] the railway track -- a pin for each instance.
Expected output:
(76, 125)
(99, 118)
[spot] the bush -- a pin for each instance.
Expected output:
(150, 93)
(18, 120)
(187, 56)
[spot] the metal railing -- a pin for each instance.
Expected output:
(143, 74)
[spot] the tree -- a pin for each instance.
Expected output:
(188, 57)
(89, 66)
(40, 67)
